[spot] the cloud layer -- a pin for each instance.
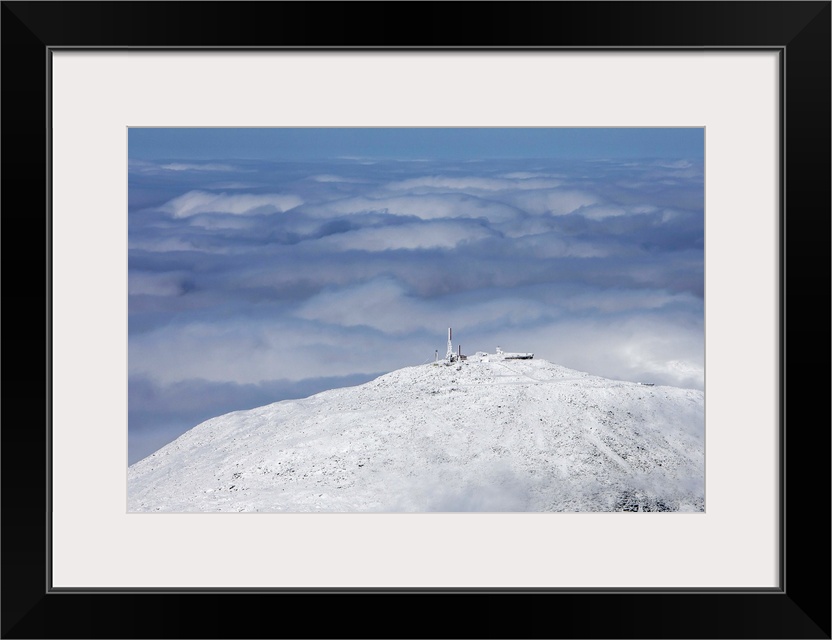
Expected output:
(315, 273)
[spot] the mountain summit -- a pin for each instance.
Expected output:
(480, 434)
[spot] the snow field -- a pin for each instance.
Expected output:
(517, 435)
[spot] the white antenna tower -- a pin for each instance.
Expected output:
(450, 354)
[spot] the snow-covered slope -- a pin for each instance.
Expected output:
(516, 435)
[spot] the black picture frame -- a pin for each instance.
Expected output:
(798, 608)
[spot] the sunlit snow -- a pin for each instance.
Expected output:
(495, 436)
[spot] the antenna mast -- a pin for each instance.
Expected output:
(450, 354)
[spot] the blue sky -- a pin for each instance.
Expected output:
(267, 264)
(414, 143)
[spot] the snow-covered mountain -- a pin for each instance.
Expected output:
(492, 435)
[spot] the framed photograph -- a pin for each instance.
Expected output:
(242, 205)
(284, 290)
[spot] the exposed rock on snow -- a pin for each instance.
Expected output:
(518, 435)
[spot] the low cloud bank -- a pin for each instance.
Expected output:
(326, 270)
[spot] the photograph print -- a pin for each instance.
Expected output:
(416, 320)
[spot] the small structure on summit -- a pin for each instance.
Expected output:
(514, 356)
(450, 356)
(482, 356)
